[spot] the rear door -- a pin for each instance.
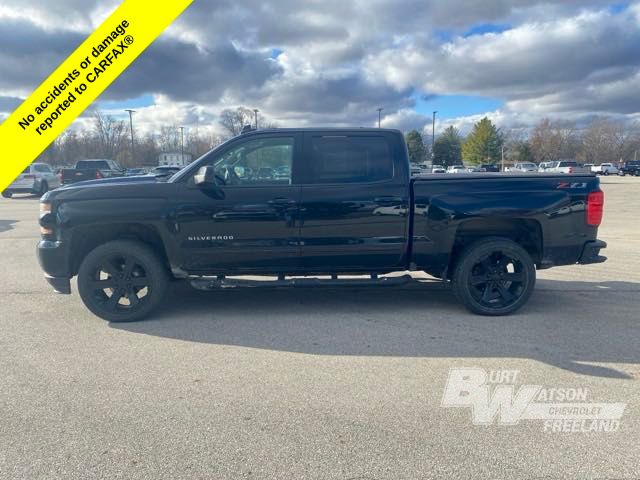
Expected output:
(354, 202)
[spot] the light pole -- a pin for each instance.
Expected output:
(433, 132)
(502, 158)
(379, 115)
(181, 144)
(255, 112)
(131, 112)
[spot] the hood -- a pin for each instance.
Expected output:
(113, 181)
(139, 186)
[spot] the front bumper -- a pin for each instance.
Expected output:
(591, 252)
(52, 256)
(59, 284)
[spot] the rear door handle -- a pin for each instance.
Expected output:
(387, 200)
(281, 201)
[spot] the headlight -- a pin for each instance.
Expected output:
(45, 208)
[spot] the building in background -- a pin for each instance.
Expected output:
(174, 158)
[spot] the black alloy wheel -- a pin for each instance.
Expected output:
(494, 276)
(122, 281)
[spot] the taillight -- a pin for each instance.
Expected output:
(595, 207)
(99, 174)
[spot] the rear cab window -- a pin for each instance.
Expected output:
(335, 159)
(95, 164)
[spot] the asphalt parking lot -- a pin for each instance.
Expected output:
(312, 383)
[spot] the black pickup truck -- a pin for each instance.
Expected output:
(315, 203)
(91, 169)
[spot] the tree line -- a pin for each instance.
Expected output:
(602, 140)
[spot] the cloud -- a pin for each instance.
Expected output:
(341, 60)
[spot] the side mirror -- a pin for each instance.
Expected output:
(206, 177)
(206, 180)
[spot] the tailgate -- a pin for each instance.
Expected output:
(71, 175)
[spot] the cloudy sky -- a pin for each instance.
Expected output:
(334, 62)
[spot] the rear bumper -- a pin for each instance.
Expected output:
(591, 252)
(11, 189)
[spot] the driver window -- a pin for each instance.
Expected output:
(265, 161)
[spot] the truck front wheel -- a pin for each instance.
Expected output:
(122, 281)
(494, 276)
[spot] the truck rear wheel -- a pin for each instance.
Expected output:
(494, 276)
(122, 281)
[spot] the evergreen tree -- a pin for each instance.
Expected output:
(448, 148)
(415, 145)
(484, 144)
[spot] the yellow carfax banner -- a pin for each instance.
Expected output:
(78, 81)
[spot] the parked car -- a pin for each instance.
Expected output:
(568, 166)
(457, 169)
(91, 169)
(438, 169)
(604, 169)
(415, 170)
(125, 238)
(630, 168)
(164, 172)
(544, 166)
(523, 167)
(490, 167)
(135, 171)
(36, 179)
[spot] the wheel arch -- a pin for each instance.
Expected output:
(526, 232)
(88, 237)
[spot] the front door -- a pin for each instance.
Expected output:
(250, 224)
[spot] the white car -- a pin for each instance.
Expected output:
(457, 169)
(605, 169)
(523, 167)
(544, 166)
(37, 179)
(438, 169)
(568, 166)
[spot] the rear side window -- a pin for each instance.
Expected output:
(346, 159)
(89, 164)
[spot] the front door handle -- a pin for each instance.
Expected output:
(281, 202)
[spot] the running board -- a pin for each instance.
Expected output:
(217, 283)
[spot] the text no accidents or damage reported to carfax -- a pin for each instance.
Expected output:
(65, 91)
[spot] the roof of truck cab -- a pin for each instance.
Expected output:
(322, 129)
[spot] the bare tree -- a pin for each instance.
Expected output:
(110, 136)
(554, 141)
(233, 120)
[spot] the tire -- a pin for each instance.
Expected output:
(606, 173)
(7, 194)
(494, 276)
(115, 273)
(621, 174)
